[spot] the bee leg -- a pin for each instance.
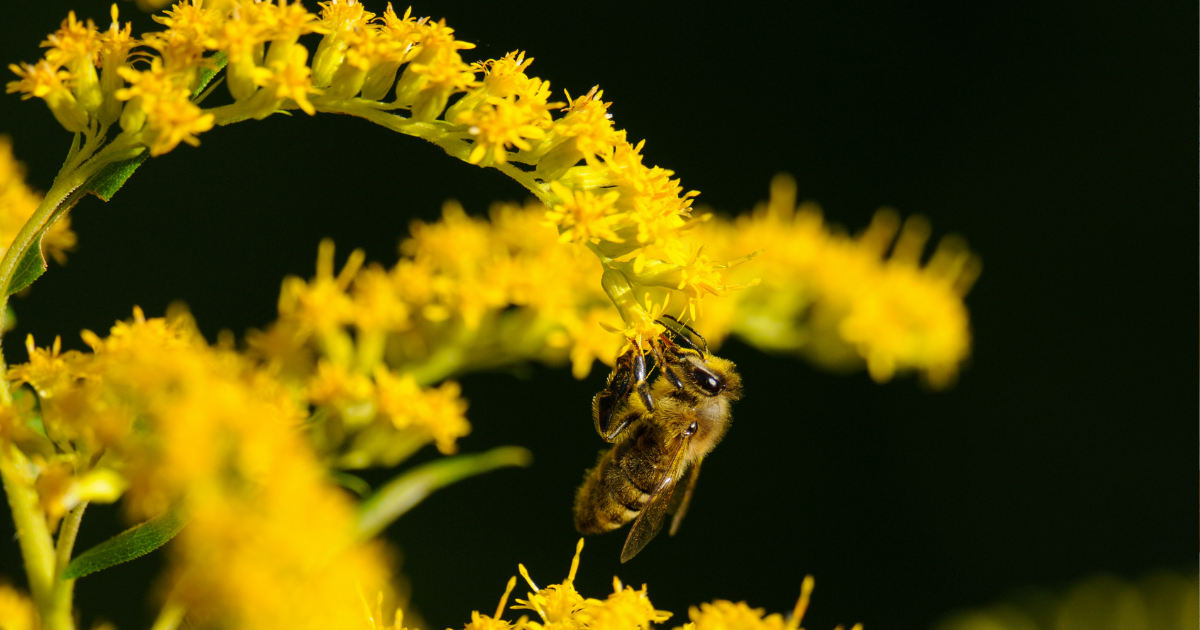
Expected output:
(643, 388)
(667, 370)
(688, 342)
(629, 373)
(629, 417)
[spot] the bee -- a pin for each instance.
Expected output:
(661, 433)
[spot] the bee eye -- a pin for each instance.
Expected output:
(707, 381)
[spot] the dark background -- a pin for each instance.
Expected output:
(1057, 139)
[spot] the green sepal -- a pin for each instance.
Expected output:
(411, 487)
(132, 543)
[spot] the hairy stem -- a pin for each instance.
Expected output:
(37, 548)
(64, 590)
(66, 190)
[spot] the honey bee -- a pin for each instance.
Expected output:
(661, 432)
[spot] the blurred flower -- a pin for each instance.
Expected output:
(17, 611)
(1163, 601)
(201, 429)
(844, 301)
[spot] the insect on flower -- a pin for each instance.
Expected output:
(661, 432)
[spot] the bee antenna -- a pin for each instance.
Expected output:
(683, 338)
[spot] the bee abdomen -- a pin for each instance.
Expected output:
(608, 498)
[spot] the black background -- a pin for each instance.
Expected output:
(1058, 139)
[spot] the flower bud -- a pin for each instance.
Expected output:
(347, 82)
(133, 117)
(329, 56)
(67, 111)
(86, 84)
(239, 74)
(379, 80)
(556, 162)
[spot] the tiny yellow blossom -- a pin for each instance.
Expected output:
(559, 605)
(47, 82)
(288, 78)
(484, 622)
(437, 411)
(502, 123)
(583, 216)
(170, 115)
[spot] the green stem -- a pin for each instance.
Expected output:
(66, 190)
(37, 548)
(169, 617)
(64, 590)
(66, 538)
(439, 133)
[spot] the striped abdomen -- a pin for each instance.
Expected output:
(619, 487)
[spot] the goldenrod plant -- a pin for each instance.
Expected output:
(223, 449)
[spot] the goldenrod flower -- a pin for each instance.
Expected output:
(584, 217)
(287, 77)
(438, 412)
(217, 440)
(484, 622)
(162, 100)
(356, 370)
(844, 301)
(614, 204)
(48, 83)
(562, 607)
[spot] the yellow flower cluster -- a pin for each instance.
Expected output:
(17, 203)
(491, 113)
(845, 301)
(561, 607)
(471, 293)
(365, 345)
(203, 431)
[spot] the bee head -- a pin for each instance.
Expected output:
(714, 376)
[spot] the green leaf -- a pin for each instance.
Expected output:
(206, 74)
(109, 180)
(104, 184)
(31, 266)
(411, 487)
(134, 542)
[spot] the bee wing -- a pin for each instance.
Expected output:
(680, 501)
(646, 527)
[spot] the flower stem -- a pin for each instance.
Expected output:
(169, 617)
(37, 548)
(64, 590)
(66, 190)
